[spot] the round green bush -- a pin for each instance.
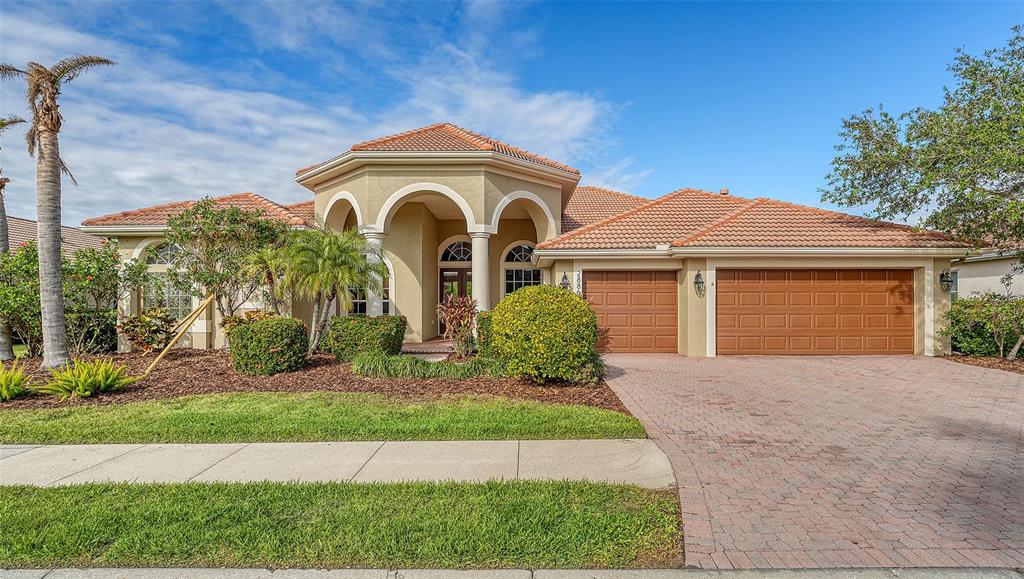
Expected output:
(269, 346)
(547, 334)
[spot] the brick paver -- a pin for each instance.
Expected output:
(837, 461)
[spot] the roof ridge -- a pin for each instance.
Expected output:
(613, 191)
(387, 138)
(492, 144)
(810, 209)
(484, 142)
(135, 211)
(719, 222)
(276, 207)
(613, 218)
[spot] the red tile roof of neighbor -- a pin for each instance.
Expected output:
(695, 218)
(24, 230)
(297, 214)
(446, 137)
(592, 204)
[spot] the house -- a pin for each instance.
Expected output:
(21, 231)
(693, 272)
(983, 273)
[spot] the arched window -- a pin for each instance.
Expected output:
(517, 269)
(458, 251)
(163, 255)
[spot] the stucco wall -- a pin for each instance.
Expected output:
(983, 276)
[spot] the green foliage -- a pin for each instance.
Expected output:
(148, 331)
(378, 365)
(84, 378)
(13, 382)
(269, 346)
(483, 334)
(547, 334)
(456, 314)
(985, 325)
(351, 335)
(93, 281)
(229, 323)
(962, 163)
(215, 245)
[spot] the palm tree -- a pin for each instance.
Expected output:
(43, 89)
(6, 343)
(268, 265)
(323, 266)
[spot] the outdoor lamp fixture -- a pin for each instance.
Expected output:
(946, 280)
(698, 284)
(565, 282)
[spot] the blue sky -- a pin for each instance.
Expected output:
(219, 97)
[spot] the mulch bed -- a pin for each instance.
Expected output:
(187, 372)
(1016, 366)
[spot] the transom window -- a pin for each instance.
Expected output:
(163, 255)
(519, 254)
(458, 251)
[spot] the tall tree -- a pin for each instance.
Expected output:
(324, 266)
(960, 165)
(6, 343)
(44, 86)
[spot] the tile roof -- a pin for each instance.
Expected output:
(592, 204)
(159, 214)
(304, 209)
(446, 137)
(24, 230)
(695, 218)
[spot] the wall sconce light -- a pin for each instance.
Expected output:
(698, 284)
(565, 282)
(946, 280)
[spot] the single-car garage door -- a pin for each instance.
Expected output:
(815, 311)
(636, 310)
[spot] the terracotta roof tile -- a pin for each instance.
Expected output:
(159, 214)
(694, 218)
(592, 204)
(304, 209)
(24, 230)
(446, 137)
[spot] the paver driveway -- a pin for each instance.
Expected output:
(837, 461)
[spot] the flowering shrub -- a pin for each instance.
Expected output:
(456, 314)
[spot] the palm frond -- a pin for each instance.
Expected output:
(11, 120)
(64, 169)
(70, 68)
(32, 139)
(8, 72)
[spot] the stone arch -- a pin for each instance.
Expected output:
(538, 210)
(343, 196)
(400, 197)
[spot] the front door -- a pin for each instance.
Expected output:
(454, 282)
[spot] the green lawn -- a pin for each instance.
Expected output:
(497, 524)
(322, 416)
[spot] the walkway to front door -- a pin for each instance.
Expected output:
(836, 461)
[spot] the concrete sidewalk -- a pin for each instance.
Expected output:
(189, 573)
(638, 462)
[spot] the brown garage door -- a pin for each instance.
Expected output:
(636, 310)
(819, 311)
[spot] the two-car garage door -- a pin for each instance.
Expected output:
(762, 311)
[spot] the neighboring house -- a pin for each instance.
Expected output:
(21, 231)
(693, 272)
(984, 272)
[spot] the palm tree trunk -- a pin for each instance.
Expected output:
(6, 343)
(51, 295)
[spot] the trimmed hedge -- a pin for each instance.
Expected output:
(351, 335)
(378, 365)
(269, 346)
(546, 333)
(484, 345)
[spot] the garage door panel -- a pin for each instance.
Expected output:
(815, 311)
(636, 310)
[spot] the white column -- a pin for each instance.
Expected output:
(481, 270)
(374, 303)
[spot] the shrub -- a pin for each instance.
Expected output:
(351, 335)
(986, 324)
(378, 365)
(13, 382)
(84, 378)
(92, 332)
(229, 323)
(270, 346)
(148, 331)
(547, 334)
(483, 335)
(456, 314)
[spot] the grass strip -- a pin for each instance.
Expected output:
(311, 417)
(328, 525)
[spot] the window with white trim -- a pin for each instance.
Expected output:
(519, 270)
(458, 251)
(359, 299)
(161, 293)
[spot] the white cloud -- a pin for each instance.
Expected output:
(155, 129)
(618, 176)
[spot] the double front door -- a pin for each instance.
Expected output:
(454, 282)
